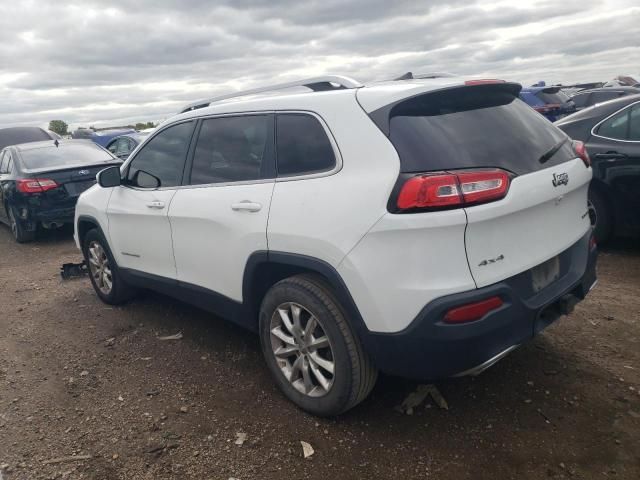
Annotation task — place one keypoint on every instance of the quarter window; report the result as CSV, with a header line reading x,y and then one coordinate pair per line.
x,y
232,149
4,160
302,145
163,156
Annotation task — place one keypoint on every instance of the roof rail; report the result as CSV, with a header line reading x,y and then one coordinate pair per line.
x,y
317,84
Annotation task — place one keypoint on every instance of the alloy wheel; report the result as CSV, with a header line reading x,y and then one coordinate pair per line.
x,y
100,268
302,349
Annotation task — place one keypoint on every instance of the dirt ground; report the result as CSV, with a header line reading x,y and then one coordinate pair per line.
x,y
81,379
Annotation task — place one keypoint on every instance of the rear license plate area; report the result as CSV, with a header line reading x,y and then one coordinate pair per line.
x,y
545,274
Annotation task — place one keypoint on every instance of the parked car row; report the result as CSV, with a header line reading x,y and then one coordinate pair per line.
x,y
422,227
611,133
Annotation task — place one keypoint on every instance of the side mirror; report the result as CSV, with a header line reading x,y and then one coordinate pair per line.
x,y
109,177
144,179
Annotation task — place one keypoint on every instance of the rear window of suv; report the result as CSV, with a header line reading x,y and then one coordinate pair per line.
x,y
471,127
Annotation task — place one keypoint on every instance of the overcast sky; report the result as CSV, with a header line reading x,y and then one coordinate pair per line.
x,y
117,62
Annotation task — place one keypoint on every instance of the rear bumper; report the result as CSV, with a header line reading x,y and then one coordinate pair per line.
x,y
30,216
429,348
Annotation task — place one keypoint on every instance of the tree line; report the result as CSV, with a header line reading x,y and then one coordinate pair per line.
x,y
62,128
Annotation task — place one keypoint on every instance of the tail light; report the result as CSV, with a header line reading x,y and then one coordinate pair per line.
x,y
546,108
473,311
452,189
581,151
35,185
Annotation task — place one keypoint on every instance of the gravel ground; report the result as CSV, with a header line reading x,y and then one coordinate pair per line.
x,y
83,380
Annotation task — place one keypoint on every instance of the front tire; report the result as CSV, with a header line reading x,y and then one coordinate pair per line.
x,y
310,349
103,270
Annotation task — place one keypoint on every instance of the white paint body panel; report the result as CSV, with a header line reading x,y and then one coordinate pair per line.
x,y
93,203
140,236
403,263
325,217
533,223
211,241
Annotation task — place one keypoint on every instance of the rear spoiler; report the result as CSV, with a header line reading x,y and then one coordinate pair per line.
x,y
382,116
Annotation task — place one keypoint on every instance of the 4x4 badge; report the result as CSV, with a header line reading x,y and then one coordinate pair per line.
x,y
491,260
560,179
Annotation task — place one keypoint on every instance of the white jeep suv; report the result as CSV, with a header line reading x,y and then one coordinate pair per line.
x,y
423,228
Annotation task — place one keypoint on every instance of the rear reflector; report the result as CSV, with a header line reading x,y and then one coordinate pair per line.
x,y
449,189
593,244
473,311
581,151
35,185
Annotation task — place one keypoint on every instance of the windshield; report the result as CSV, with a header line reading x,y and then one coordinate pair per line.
x,y
84,153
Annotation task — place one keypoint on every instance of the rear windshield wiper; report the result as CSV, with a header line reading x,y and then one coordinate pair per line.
x,y
553,150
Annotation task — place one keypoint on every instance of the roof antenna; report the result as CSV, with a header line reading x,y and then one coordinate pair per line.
x,y
56,143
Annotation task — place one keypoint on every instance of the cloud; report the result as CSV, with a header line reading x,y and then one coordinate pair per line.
x,y
91,63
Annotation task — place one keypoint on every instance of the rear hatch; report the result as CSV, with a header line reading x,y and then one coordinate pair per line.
x,y
487,128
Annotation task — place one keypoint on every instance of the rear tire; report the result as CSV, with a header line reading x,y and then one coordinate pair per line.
x,y
19,233
601,216
103,270
328,344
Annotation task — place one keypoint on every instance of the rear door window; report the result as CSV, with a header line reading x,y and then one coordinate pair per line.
x,y
634,124
552,95
302,145
233,149
163,156
615,127
470,127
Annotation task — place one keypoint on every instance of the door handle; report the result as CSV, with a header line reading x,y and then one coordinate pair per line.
x,y
246,206
611,156
156,204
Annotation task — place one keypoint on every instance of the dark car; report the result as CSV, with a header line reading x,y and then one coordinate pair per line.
x,y
611,133
40,182
15,135
123,145
551,102
588,98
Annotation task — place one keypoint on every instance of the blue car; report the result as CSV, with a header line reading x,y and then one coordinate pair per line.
x,y
551,102
101,137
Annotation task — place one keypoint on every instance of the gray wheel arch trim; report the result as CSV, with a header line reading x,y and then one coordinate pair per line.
x,y
261,259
